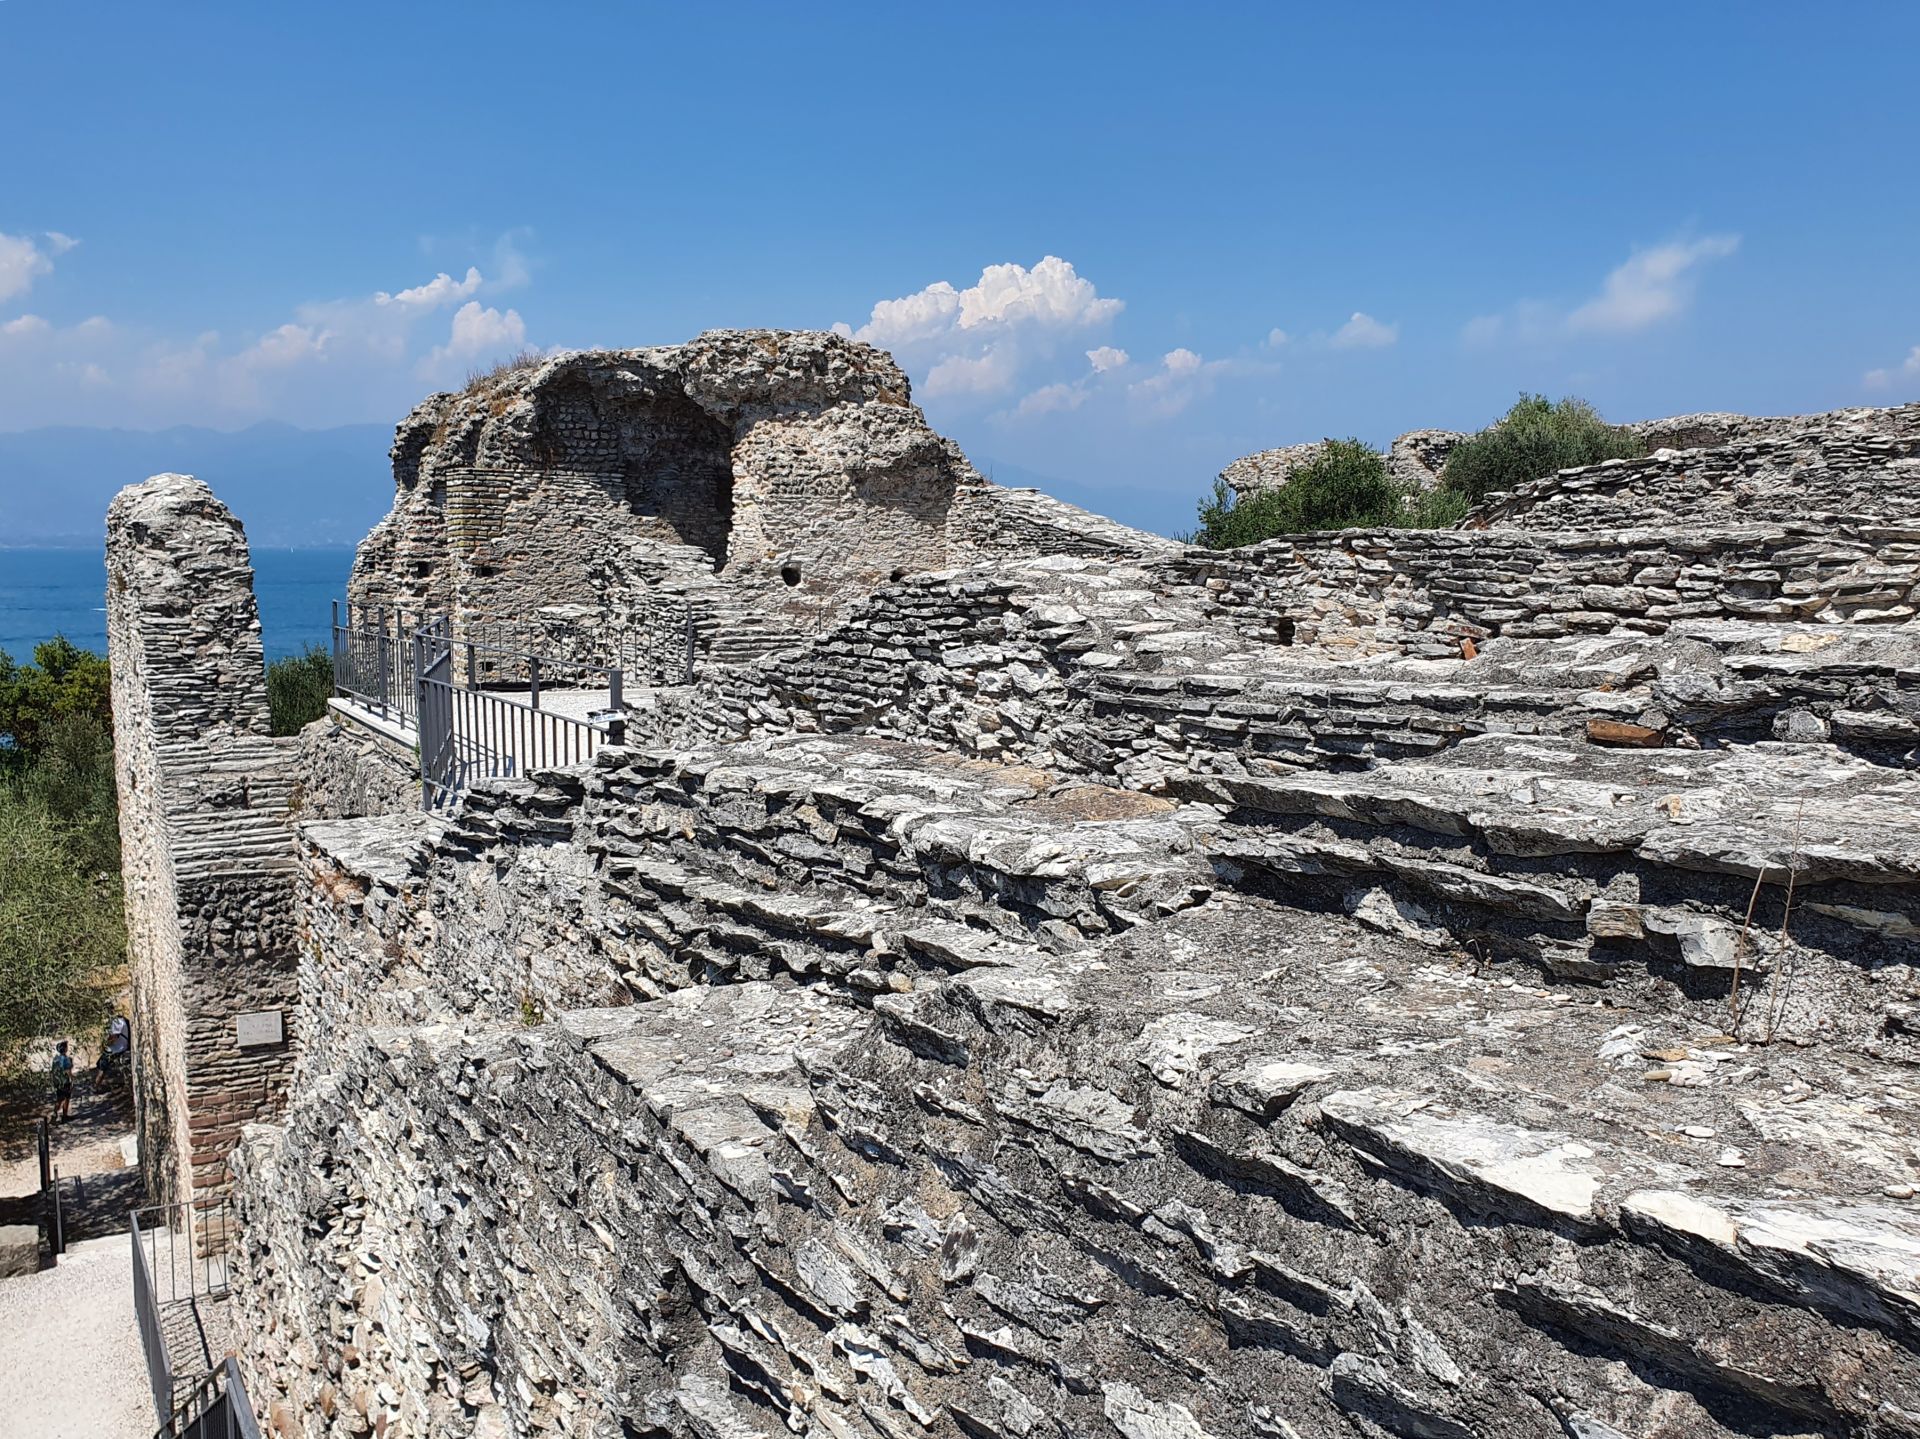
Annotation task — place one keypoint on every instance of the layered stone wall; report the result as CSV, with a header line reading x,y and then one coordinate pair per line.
x,y
1856,465
1422,592
977,1102
204,795
1389,983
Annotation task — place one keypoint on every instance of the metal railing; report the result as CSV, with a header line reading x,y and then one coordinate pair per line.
x,y
52,1197
468,733
373,659
215,1408
179,1301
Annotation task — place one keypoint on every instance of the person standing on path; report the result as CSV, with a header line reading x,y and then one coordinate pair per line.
x,y
62,1071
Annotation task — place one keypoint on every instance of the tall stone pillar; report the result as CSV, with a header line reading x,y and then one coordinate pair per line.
x,y
208,857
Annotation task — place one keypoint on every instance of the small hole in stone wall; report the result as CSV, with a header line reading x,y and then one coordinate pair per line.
x,y
898,575
790,573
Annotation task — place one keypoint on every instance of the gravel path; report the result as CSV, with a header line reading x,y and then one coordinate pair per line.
x,y
70,1362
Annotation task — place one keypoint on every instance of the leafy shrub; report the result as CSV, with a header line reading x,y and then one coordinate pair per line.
x,y
1535,438
63,682
298,688
1344,487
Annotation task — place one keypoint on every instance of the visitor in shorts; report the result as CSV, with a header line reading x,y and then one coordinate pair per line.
x,y
62,1072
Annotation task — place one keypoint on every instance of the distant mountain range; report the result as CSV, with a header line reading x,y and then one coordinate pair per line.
x,y
290,487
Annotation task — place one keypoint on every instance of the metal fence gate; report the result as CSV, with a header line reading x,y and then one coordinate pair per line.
x,y
433,678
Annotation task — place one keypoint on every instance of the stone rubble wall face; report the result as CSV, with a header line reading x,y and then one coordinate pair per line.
x,y
347,772
1782,479
864,1234
204,794
1420,592
988,1085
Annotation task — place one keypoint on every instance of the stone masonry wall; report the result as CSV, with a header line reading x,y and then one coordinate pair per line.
x,y
204,795
1421,592
764,479
978,1103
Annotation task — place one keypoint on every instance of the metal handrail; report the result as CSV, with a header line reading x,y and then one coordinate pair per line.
x,y
208,1230
153,1340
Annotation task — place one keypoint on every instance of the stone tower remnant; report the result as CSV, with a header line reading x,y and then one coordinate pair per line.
x,y
207,856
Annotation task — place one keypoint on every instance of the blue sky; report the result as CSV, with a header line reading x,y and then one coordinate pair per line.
x,y
1289,220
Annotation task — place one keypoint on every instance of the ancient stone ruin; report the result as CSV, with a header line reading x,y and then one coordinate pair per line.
x,y
1048,981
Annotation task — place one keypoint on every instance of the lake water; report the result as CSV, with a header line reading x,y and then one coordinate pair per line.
x,y
44,593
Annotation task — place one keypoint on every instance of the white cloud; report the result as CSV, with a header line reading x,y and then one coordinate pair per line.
x,y
1276,337
979,340
984,374
1363,332
1050,295
1652,285
325,362
1907,369
1106,358
21,263
442,289
479,332
1051,399
1183,376
285,347
60,243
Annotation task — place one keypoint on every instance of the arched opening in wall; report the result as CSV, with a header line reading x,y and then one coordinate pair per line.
x,y
678,466
790,574
665,460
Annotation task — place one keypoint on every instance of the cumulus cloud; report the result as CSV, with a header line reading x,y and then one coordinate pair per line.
x,y
442,289
1106,358
1052,399
1276,337
1363,332
1650,286
287,346
1907,370
22,261
479,332
1182,377
980,340
1052,295
327,361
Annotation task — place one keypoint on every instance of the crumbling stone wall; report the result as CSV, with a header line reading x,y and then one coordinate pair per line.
x,y
1858,465
762,479
204,795
1421,592
1033,1109
1424,984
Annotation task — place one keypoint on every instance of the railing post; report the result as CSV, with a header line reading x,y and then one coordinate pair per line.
x,y
384,661
336,646
533,679
473,670
615,699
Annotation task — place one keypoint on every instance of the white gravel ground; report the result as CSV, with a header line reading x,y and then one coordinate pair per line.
x,y
70,1363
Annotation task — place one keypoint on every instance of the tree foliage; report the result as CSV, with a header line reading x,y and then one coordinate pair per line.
x,y
298,687
1345,486
62,936
63,682
1535,438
